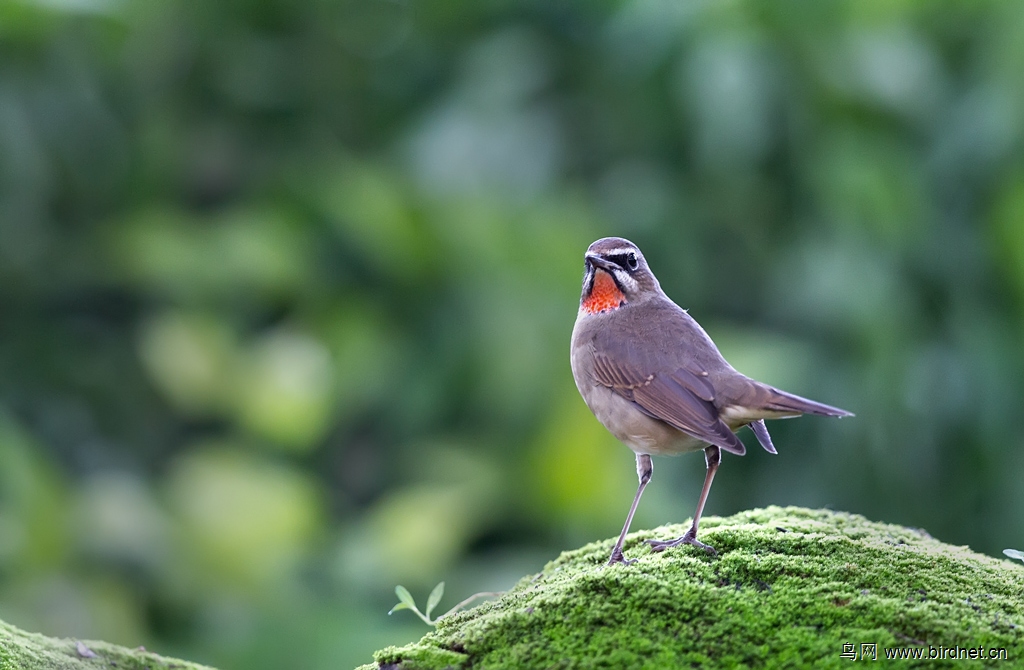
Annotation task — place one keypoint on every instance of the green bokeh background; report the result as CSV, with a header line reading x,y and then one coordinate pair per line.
x,y
286,290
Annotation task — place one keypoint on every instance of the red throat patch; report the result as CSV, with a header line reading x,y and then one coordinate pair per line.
x,y
604,294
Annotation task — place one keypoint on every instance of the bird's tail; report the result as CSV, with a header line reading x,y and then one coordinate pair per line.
x,y
791,404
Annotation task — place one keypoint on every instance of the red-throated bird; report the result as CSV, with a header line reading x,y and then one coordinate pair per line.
x,y
655,379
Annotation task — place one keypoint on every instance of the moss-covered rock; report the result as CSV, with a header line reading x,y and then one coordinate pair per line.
x,y
789,588
28,651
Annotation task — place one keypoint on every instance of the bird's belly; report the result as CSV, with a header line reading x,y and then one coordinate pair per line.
x,y
639,432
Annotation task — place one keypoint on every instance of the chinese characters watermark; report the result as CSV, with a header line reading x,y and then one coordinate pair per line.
x,y
868,651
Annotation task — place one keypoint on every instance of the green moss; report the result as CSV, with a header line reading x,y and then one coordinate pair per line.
x,y
28,651
790,586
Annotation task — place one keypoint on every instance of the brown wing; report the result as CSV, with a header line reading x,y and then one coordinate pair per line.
x,y
682,399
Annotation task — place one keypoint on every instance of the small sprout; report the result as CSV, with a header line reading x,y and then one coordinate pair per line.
x,y
405,602
1014,553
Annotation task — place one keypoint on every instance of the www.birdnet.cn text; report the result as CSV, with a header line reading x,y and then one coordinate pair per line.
x,y
870,651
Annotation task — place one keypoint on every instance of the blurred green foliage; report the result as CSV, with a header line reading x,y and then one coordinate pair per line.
x,y
286,290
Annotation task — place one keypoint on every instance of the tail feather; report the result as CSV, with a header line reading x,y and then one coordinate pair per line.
x,y
780,401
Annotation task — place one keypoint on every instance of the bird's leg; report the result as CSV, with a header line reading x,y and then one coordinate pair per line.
x,y
713,456
644,470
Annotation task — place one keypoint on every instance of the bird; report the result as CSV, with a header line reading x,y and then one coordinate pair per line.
x,y
655,379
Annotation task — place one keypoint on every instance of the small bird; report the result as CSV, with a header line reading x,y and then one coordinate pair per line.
x,y
656,381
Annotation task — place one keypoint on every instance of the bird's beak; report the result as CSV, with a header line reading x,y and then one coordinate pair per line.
x,y
599,262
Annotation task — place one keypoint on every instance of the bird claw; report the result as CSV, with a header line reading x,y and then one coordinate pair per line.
x,y
617,557
689,538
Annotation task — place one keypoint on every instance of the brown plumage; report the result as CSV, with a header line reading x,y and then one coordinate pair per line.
x,y
654,378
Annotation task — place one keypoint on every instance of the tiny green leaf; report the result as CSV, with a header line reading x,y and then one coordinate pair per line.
x,y
435,598
1014,553
406,597
399,606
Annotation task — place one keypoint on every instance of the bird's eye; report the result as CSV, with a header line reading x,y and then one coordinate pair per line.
x,y
627,261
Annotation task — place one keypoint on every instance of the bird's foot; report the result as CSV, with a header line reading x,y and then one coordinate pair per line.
x,y
617,557
689,538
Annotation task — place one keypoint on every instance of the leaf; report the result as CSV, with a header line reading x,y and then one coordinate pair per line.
x,y
399,606
1014,553
404,596
435,597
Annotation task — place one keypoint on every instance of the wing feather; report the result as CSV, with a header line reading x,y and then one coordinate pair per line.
x,y
682,399
761,432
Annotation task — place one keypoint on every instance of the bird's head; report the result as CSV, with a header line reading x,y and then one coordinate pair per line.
x,y
615,274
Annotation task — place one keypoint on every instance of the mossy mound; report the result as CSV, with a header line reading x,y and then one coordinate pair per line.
x,y
789,588
28,651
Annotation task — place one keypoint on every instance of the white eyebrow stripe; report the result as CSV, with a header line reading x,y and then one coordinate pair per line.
x,y
618,252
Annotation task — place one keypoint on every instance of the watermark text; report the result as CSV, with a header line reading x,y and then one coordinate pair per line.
x,y
870,651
